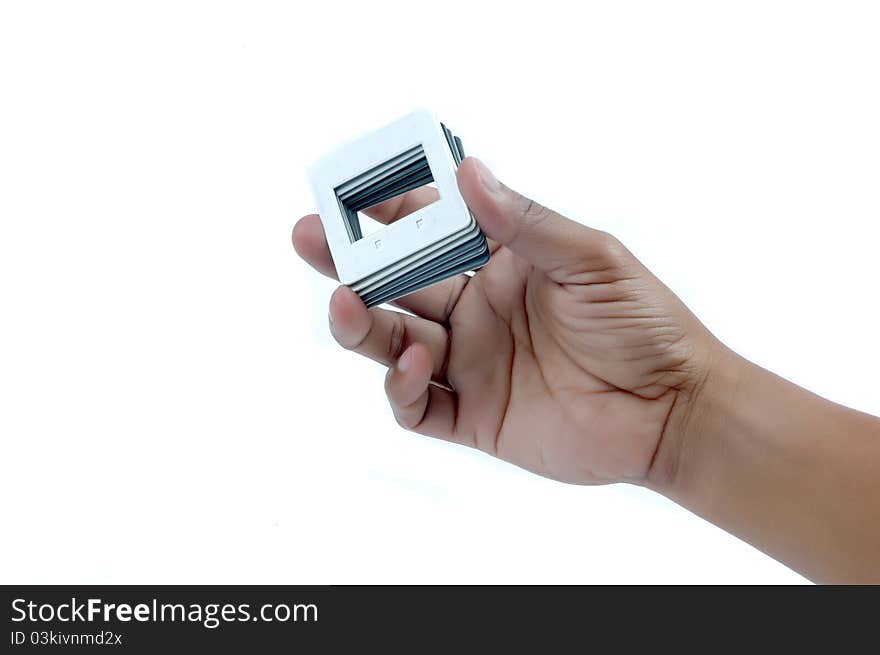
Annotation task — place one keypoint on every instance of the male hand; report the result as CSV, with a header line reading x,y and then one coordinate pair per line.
x,y
563,355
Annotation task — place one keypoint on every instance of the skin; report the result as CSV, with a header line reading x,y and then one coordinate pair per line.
x,y
564,355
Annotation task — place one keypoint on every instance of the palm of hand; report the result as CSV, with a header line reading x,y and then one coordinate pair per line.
x,y
573,380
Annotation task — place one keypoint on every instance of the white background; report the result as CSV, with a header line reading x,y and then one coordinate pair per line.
x,y
172,408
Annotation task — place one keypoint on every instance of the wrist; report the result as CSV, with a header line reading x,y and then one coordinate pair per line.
x,y
688,440
785,470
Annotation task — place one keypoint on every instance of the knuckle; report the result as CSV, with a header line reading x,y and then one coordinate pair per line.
x,y
342,342
402,422
532,213
611,247
400,416
351,344
454,296
389,389
397,337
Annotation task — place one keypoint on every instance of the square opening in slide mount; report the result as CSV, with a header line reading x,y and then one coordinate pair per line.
x,y
405,172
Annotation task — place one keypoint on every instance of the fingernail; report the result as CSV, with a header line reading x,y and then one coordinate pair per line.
x,y
405,360
490,182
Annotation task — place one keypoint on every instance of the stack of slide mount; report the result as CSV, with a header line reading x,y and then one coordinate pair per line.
x,y
426,246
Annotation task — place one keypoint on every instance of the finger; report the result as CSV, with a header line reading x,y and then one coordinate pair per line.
x,y
417,404
434,303
383,335
403,205
550,242
310,243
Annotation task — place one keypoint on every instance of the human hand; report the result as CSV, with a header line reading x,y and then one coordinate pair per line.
x,y
563,355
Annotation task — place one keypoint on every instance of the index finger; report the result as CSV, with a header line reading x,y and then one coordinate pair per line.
x,y
403,205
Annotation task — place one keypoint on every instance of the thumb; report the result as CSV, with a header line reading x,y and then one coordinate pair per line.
x,y
552,243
